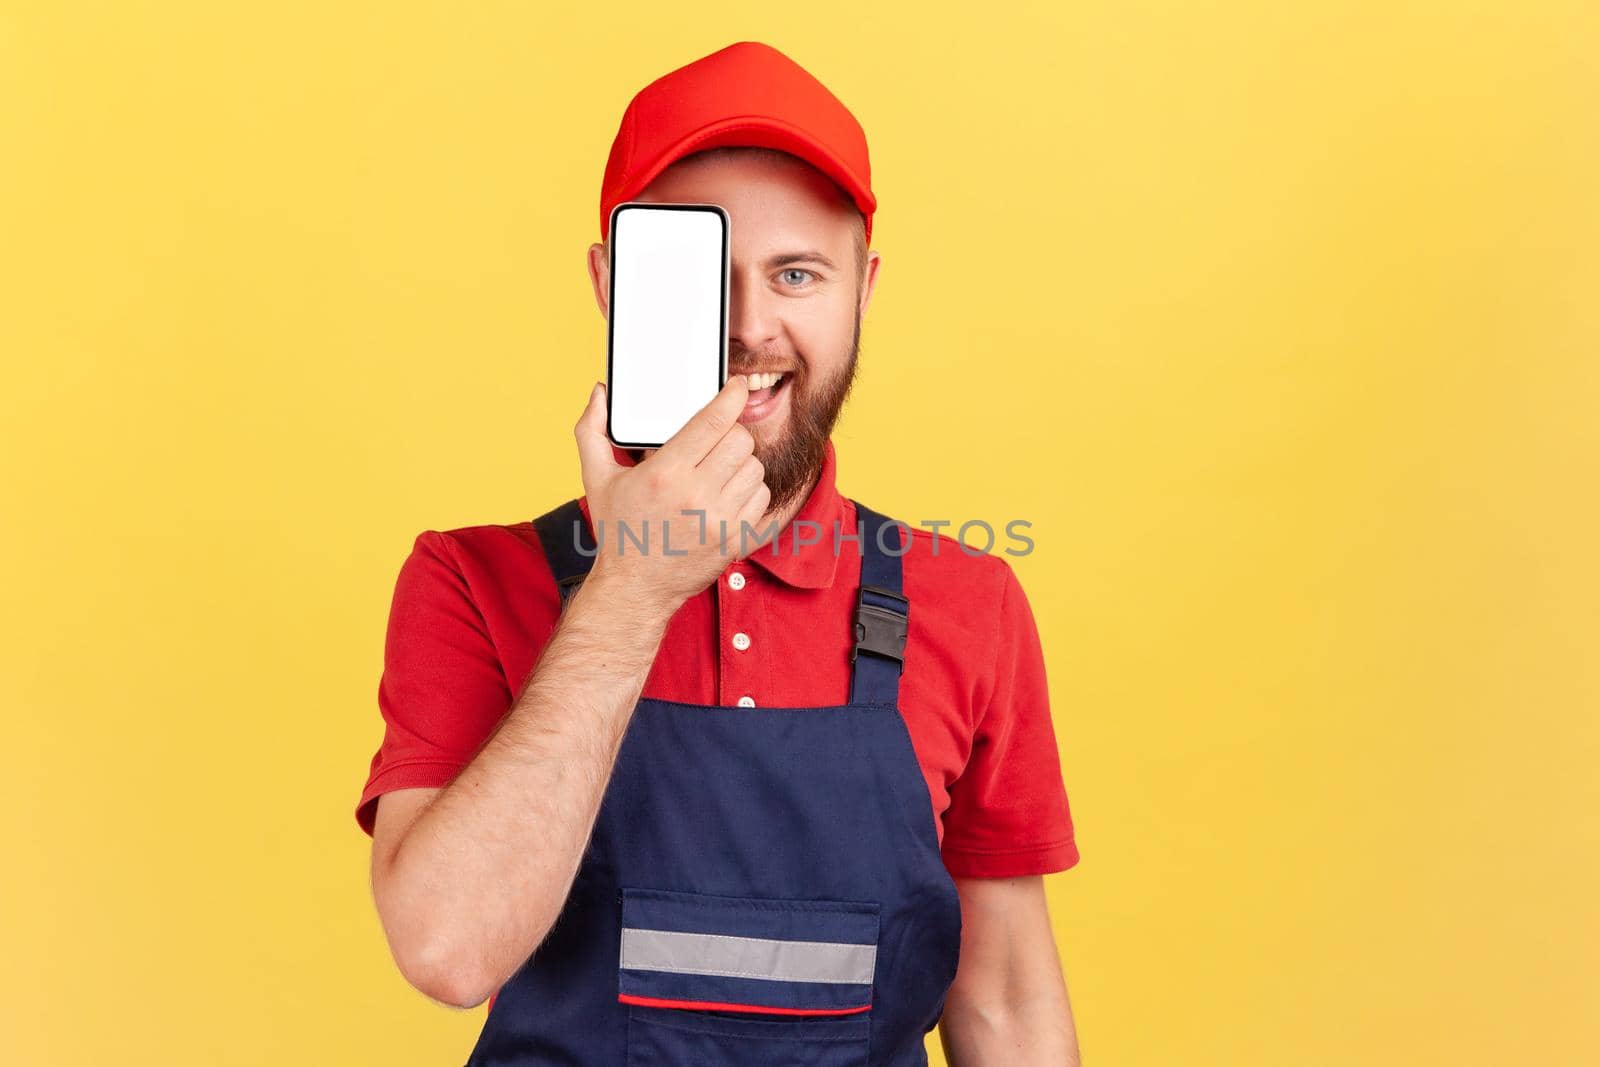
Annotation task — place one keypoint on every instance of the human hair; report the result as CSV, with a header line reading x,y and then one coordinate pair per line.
x,y
775,154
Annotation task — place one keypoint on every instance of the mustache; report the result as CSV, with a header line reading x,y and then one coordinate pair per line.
x,y
745,364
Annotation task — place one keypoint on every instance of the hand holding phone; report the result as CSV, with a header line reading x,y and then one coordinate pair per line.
x,y
704,480
667,318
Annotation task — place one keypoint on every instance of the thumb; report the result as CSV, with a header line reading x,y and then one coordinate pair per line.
x,y
599,463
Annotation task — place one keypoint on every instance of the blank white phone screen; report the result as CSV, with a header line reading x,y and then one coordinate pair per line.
x,y
668,320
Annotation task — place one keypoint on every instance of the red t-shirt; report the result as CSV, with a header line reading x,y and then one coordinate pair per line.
x,y
474,606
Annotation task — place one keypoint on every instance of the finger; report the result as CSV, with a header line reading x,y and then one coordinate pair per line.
x,y
742,482
599,463
723,460
754,512
689,445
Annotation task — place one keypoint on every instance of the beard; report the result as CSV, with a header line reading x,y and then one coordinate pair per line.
x,y
793,460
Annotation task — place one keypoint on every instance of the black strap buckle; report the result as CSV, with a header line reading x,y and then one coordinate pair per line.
x,y
880,630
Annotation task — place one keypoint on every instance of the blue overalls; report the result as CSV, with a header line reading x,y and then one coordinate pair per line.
x,y
763,885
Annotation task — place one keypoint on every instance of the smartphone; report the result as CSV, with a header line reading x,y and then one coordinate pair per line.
x,y
667,334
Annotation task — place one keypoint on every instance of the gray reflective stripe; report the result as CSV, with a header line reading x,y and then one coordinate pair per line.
x,y
747,957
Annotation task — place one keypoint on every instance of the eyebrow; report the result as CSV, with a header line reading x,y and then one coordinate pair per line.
x,y
788,258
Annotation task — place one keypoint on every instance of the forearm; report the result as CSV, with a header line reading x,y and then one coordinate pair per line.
x,y
1008,1002
1033,1031
483,873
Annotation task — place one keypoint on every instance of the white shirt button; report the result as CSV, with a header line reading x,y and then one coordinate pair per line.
x,y
747,702
735,580
741,641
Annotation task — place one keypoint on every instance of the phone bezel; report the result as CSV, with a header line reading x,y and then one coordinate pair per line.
x,y
611,278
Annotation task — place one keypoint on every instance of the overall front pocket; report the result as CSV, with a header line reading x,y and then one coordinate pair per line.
x,y
718,980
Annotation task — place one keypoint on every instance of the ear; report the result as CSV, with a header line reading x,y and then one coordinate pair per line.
x,y
600,277
870,282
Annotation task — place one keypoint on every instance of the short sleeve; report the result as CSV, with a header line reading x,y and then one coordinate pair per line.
x,y
443,689
1008,812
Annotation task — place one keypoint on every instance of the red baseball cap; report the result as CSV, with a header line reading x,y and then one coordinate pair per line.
x,y
748,93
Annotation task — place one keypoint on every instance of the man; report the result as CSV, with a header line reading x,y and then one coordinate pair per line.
x,y
759,800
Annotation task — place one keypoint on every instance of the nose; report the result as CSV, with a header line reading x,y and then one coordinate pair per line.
x,y
753,320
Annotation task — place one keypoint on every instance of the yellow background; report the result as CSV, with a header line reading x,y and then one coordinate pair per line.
x,y
1278,321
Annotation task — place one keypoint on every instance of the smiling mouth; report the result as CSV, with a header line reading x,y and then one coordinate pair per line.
x,y
764,392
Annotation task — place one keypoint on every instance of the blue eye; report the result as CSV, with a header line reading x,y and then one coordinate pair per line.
x,y
797,270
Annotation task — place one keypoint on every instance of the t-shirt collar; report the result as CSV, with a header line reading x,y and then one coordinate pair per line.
x,y
818,522
820,519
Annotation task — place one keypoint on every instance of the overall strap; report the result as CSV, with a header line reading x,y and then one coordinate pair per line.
x,y
882,612
562,530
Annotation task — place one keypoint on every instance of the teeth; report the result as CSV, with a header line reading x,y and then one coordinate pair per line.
x,y
761,381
